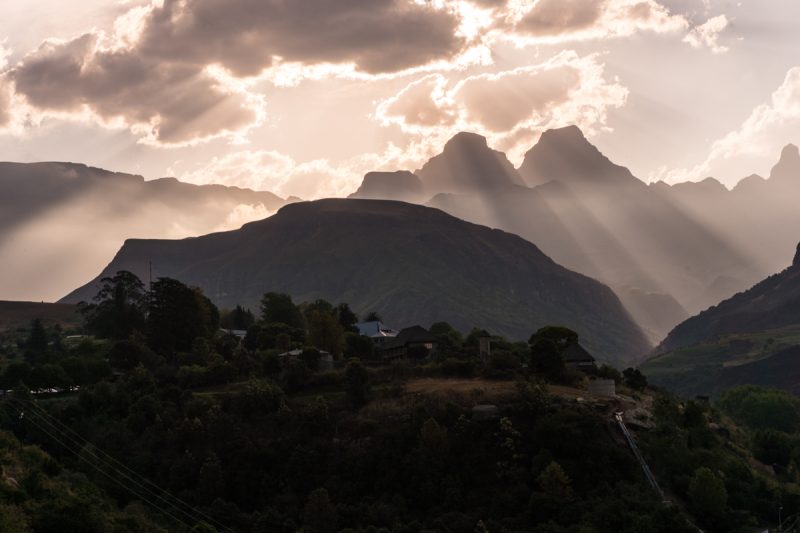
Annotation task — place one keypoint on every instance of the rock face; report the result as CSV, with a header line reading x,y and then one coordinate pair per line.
x,y
412,264
400,185
796,262
467,164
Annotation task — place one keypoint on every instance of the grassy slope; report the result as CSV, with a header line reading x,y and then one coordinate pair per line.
x,y
710,367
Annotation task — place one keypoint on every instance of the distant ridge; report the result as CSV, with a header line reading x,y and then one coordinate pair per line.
x,y
412,264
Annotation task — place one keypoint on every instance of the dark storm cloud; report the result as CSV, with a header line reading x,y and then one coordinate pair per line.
x,y
160,84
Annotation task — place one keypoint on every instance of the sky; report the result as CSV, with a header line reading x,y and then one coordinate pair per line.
x,y
302,97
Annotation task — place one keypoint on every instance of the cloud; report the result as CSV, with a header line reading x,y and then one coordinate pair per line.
x,y
755,143
181,71
246,36
242,214
6,90
422,103
168,103
499,102
554,17
512,107
269,170
707,34
564,20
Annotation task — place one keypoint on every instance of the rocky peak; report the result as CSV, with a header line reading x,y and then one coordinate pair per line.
x,y
565,154
467,164
788,167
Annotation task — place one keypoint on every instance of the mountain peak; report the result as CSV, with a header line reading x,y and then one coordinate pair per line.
x,y
796,262
788,167
790,152
399,185
467,164
466,139
565,154
571,134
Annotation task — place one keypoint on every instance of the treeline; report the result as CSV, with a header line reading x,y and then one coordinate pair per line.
x,y
698,457
256,440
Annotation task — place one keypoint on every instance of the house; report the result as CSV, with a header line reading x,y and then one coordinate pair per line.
x,y
377,331
576,357
415,342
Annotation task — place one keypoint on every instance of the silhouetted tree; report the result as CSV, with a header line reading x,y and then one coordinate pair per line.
x,y
36,343
347,318
278,308
546,358
324,331
373,316
634,378
178,314
560,336
119,307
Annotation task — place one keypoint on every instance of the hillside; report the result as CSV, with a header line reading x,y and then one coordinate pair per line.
x,y
773,303
77,217
752,338
19,314
411,264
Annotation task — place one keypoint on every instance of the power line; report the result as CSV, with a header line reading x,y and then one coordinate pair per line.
x,y
100,470
65,428
137,479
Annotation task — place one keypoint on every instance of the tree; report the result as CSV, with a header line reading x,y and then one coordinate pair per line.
x,y
561,336
278,308
324,331
119,307
36,343
449,338
319,514
555,482
178,315
707,494
357,383
347,318
634,379
359,346
373,316
210,481
239,318
546,358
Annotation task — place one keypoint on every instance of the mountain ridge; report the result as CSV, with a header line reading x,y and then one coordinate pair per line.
x,y
412,264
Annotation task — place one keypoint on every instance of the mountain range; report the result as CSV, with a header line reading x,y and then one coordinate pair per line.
x,y
411,264
667,251
72,215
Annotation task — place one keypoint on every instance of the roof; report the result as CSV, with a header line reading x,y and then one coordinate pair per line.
x,y
575,353
414,334
375,329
